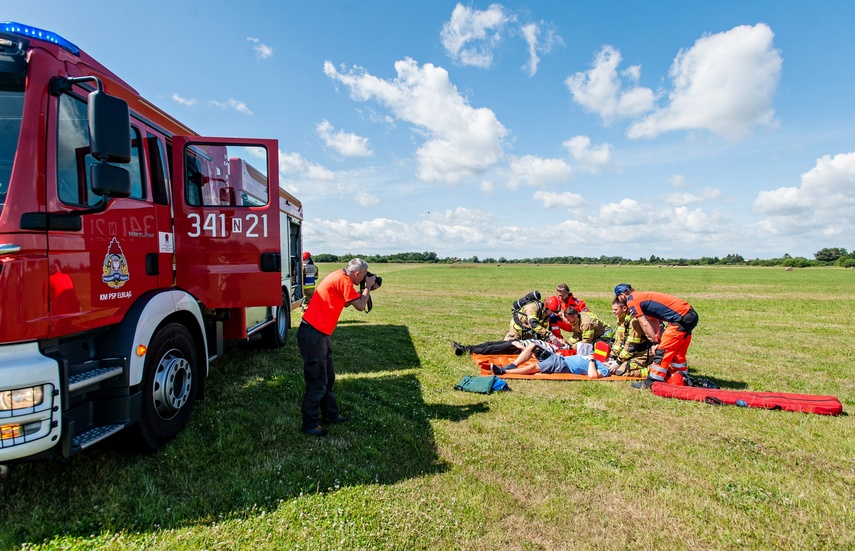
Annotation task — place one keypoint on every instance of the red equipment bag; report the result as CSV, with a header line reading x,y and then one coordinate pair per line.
x,y
806,403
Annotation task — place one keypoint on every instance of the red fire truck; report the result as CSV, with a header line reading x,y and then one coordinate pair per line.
x,y
131,249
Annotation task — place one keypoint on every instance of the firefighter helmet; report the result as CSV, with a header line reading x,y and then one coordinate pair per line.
x,y
602,351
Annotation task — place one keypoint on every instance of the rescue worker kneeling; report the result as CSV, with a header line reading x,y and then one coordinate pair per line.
x,y
532,321
632,351
585,328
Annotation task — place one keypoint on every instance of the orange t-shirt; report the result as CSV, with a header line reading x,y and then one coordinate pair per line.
x,y
329,300
657,305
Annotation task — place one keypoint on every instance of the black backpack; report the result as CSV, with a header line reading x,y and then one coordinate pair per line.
x,y
519,303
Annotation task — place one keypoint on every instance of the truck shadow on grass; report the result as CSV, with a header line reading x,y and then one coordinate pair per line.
x,y
242,452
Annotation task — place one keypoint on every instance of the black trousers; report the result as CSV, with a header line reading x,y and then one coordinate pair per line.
x,y
494,347
319,374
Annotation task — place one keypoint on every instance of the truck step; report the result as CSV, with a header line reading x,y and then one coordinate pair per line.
x,y
82,380
94,435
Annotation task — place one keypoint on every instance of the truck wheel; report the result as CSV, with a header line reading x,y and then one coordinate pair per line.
x,y
275,335
169,385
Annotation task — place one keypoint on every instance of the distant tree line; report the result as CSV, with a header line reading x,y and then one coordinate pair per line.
x,y
835,256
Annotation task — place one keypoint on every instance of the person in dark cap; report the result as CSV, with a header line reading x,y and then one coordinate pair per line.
x,y
673,343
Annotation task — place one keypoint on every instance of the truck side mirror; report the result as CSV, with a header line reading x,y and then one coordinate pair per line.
x,y
109,128
109,142
109,180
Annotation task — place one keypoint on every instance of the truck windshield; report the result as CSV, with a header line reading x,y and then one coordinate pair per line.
x,y
11,108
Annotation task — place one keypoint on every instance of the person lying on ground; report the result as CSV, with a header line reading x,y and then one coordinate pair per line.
x,y
505,348
556,363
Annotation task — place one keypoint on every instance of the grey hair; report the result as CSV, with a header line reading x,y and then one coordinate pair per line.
x,y
355,265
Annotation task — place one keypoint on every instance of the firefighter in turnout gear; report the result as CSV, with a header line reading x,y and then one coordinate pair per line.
x,y
531,321
632,351
586,327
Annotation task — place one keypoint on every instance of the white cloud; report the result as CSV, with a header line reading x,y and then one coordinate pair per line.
x,y
471,35
682,199
461,140
232,103
822,206
448,232
566,200
599,89
537,171
184,101
588,158
628,228
634,229
686,222
782,201
724,84
263,50
344,143
633,73
531,32
678,181
628,212
295,170
487,187
365,199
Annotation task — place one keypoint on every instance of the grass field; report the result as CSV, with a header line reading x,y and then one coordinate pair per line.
x,y
549,465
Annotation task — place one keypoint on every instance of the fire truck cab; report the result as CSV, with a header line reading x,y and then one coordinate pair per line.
x,y
131,249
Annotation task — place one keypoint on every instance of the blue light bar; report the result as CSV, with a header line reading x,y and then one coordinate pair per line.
x,y
41,34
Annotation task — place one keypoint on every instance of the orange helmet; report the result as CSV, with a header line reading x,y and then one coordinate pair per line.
x,y
553,303
676,378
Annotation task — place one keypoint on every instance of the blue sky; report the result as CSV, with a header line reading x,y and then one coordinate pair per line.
x,y
515,129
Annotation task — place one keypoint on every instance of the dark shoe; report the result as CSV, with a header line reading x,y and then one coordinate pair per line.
x,y
643,385
497,369
336,420
317,431
459,350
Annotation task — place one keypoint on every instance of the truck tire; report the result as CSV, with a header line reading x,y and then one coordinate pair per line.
x,y
276,334
169,385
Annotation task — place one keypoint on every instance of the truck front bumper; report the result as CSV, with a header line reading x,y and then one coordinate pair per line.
x,y
30,405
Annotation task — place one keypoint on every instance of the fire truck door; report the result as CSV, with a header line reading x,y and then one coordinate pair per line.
x,y
226,194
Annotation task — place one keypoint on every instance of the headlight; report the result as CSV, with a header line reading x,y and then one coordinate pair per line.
x,y
21,398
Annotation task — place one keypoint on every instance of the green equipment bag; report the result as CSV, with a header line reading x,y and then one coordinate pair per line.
x,y
482,384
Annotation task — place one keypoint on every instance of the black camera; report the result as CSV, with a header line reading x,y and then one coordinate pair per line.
x,y
378,281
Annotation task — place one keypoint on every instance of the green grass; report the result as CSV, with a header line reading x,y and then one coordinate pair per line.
x,y
549,465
